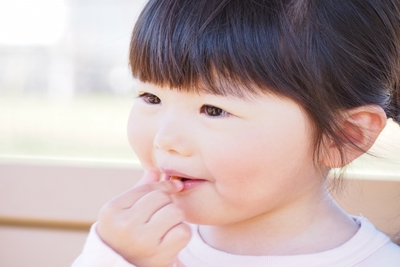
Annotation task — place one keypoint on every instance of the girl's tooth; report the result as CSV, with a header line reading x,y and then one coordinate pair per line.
x,y
175,178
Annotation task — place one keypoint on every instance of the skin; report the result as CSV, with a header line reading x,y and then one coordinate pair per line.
x,y
143,225
261,193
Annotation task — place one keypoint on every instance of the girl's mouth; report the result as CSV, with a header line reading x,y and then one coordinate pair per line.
x,y
188,183
182,179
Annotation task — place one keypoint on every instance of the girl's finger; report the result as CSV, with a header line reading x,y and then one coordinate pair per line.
x,y
128,198
150,176
166,218
176,238
146,206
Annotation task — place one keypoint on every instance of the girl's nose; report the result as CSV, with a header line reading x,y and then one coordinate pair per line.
x,y
173,138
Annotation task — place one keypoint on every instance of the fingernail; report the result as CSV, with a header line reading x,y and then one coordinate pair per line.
x,y
177,184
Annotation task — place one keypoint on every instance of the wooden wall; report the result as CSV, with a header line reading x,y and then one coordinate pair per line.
x,y
45,211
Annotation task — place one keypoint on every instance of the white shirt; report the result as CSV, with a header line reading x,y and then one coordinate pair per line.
x,y
367,248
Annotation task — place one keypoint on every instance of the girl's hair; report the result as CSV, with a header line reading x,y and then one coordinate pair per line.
x,y
327,55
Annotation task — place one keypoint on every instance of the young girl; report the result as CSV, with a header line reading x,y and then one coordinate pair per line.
x,y
243,108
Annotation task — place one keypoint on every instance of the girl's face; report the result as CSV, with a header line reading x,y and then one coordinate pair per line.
x,y
244,158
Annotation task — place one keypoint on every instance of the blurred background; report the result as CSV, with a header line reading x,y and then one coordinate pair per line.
x,y
65,85
65,96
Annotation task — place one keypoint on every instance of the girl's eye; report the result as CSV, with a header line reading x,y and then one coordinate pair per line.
x,y
150,98
213,111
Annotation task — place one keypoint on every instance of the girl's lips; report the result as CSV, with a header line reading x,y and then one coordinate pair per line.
x,y
191,183
174,175
187,181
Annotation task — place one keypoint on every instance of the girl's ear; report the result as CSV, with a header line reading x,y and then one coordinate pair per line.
x,y
360,127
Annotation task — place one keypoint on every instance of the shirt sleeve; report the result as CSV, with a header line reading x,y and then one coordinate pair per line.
x,y
97,254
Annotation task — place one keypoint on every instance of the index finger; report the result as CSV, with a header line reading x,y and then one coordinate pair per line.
x,y
150,176
129,197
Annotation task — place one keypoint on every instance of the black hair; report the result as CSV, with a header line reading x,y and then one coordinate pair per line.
x,y
327,55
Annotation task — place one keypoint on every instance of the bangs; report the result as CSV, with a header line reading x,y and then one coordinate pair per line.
x,y
325,55
220,47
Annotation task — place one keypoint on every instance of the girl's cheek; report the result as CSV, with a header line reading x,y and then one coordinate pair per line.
x,y
140,138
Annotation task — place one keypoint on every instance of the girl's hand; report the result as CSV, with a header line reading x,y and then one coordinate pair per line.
x,y
143,225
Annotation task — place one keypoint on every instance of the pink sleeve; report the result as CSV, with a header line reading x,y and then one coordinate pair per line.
x,y
97,254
